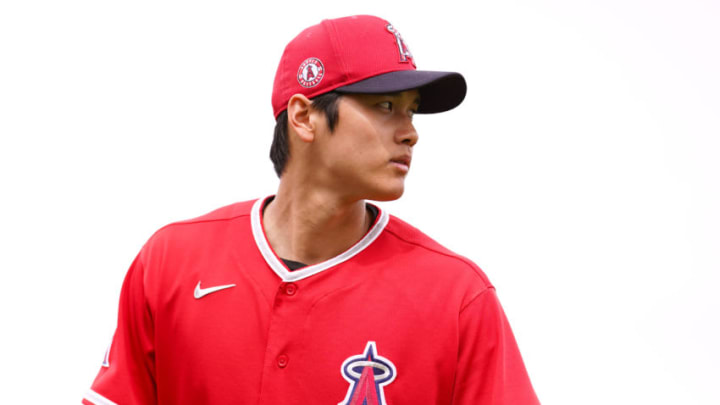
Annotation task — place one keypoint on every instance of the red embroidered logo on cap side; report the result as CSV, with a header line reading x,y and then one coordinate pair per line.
x,y
403,49
311,72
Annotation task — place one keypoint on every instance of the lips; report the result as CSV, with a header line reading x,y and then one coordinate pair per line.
x,y
403,160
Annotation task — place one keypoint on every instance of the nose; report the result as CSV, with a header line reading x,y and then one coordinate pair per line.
x,y
407,134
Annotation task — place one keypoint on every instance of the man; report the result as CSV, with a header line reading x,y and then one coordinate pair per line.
x,y
314,296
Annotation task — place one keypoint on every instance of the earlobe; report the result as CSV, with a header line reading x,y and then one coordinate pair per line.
x,y
299,113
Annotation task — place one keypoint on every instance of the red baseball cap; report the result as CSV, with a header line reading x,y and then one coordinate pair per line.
x,y
359,54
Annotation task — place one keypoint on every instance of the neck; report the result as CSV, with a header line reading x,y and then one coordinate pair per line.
x,y
311,226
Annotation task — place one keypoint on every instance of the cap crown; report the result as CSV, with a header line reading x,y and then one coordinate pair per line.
x,y
336,53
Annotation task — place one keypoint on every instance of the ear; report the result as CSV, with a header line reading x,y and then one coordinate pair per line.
x,y
300,118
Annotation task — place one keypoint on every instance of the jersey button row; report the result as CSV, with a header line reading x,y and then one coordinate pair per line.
x,y
282,360
289,289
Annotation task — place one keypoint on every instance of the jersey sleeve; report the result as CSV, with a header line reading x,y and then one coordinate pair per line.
x,y
127,375
490,368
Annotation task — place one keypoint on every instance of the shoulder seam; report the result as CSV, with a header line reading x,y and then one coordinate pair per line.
x,y
199,221
452,256
471,300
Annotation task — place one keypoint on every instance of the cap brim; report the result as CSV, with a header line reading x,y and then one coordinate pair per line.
x,y
439,91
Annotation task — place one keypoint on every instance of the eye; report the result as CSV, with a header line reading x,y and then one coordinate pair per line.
x,y
386,105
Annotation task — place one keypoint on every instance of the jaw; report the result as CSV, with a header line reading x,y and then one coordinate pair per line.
x,y
381,180
385,189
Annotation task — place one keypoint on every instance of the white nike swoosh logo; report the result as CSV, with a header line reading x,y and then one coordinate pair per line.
x,y
201,292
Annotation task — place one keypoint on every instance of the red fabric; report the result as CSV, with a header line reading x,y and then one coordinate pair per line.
x,y
431,313
492,368
130,377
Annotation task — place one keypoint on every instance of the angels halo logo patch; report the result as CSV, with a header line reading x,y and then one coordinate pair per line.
x,y
311,72
367,374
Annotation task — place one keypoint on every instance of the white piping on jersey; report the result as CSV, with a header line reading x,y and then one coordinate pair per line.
x,y
286,275
97,399
106,360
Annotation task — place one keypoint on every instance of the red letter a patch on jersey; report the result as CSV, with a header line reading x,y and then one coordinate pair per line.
x,y
367,374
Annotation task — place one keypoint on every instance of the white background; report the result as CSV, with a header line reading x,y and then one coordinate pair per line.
x,y
581,173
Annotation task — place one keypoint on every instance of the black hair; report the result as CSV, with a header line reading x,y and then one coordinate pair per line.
x,y
280,148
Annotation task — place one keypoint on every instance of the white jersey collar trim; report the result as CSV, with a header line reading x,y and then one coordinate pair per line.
x,y
97,399
279,267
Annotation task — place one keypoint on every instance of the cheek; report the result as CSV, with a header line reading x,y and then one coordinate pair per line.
x,y
353,159
361,143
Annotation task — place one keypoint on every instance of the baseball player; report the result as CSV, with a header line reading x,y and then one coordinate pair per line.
x,y
313,295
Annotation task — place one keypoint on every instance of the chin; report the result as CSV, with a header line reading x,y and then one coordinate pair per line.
x,y
388,194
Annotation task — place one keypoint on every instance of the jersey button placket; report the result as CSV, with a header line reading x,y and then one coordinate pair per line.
x,y
290,289
282,360
289,312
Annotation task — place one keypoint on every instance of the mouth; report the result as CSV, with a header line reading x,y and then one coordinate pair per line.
x,y
402,162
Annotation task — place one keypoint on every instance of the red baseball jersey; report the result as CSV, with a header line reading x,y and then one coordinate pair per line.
x,y
209,314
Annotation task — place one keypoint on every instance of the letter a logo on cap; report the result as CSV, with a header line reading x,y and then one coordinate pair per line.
x,y
405,54
311,72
